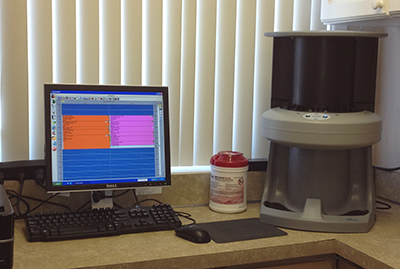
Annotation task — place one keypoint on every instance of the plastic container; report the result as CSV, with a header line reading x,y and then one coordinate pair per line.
x,y
228,183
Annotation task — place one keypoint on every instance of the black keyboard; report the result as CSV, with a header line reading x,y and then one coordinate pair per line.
x,y
55,226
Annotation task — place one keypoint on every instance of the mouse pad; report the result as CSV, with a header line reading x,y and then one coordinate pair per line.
x,y
239,230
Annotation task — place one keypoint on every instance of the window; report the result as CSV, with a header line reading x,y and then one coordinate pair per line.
x,y
212,54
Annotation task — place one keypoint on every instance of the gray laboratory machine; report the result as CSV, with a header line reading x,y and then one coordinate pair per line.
x,y
321,128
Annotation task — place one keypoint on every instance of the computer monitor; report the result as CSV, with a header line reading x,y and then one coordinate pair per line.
x,y
106,137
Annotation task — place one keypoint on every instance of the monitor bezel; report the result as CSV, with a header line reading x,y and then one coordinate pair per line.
x,y
106,88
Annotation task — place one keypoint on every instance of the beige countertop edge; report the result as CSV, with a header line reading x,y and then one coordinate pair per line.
x,y
238,257
375,249
358,257
259,255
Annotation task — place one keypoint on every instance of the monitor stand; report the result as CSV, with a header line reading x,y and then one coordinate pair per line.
x,y
102,203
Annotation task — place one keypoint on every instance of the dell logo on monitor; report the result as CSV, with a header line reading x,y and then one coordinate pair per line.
x,y
111,186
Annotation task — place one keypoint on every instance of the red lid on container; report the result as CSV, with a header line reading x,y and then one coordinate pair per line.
x,y
229,159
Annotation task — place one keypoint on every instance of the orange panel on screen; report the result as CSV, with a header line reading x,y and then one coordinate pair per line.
x,y
86,132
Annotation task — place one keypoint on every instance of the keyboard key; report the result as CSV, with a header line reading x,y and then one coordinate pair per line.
x,y
78,230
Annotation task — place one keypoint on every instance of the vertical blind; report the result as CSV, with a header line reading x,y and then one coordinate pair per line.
x,y
212,54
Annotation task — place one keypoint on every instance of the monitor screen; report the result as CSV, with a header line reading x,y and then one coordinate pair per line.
x,y
102,137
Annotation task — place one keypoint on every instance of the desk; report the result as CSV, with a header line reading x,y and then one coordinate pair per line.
x,y
377,249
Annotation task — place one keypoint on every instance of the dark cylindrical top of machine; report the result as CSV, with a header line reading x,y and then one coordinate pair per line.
x,y
322,67
324,72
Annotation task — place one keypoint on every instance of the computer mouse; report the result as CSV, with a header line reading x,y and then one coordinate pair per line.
x,y
193,233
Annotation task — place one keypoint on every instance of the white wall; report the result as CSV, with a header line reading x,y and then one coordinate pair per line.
x,y
387,151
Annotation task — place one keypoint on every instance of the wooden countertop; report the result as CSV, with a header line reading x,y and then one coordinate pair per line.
x,y
378,248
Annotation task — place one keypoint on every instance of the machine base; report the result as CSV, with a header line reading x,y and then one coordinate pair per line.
x,y
319,190
312,219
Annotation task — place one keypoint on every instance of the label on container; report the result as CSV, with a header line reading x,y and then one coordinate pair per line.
x,y
227,190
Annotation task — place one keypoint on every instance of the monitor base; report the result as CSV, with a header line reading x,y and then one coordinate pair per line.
x,y
103,202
